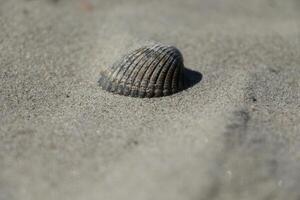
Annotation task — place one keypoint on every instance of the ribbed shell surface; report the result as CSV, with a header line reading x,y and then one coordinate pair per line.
x,y
150,71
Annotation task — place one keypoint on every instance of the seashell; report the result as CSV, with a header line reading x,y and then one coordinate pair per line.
x,y
151,71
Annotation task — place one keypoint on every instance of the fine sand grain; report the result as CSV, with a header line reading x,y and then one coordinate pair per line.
x,y
233,136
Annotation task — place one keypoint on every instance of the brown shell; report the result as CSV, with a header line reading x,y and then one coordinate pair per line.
x,y
150,71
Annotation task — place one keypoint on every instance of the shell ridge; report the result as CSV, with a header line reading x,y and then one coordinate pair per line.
x,y
115,67
135,62
144,83
169,63
166,85
111,85
174,78
131,77
168,80
124,59
149,71
158,87
141,74
156,62
152,59
123,68
123,87
161,75
155,74
127,65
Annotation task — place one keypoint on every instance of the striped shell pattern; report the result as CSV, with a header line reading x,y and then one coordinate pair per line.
x,y
150,71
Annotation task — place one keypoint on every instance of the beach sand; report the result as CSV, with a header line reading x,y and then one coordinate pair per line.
x,y
233,135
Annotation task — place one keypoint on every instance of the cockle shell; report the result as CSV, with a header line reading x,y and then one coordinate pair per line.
x,y
150,71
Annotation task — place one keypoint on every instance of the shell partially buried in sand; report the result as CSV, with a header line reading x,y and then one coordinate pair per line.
x,y
151,71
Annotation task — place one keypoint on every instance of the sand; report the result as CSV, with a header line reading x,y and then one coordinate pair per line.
x,y
233,135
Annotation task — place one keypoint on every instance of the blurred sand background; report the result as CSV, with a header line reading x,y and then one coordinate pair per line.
x,y
233,136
